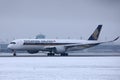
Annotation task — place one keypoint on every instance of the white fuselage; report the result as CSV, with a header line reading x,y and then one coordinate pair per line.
x,y
42,44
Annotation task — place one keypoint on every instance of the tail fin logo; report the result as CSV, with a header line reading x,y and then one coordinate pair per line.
x,y
95,34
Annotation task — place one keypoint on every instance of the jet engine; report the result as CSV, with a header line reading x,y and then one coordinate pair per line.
x,y
59,49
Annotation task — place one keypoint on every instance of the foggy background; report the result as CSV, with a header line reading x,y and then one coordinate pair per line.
x,y
59,18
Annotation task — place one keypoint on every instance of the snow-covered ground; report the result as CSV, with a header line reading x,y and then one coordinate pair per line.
x,y
59,68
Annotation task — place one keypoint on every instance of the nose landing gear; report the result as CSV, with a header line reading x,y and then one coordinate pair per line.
x,y
14,53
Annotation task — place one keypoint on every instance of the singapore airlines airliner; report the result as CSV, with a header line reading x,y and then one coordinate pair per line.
x,y
56,46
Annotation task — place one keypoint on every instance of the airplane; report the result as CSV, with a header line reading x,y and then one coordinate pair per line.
x,y
56,46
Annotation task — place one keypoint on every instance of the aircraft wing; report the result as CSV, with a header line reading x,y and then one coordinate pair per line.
x,y
83,46
78,46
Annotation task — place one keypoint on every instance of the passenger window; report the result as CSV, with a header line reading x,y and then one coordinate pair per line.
x,y
13,43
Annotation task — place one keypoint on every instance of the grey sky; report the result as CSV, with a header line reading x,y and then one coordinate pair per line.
x,y
59,18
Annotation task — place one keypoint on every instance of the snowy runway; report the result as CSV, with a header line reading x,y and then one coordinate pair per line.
x,y
59,68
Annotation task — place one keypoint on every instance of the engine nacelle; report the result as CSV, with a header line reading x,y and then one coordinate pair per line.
x,y
32,51
59,49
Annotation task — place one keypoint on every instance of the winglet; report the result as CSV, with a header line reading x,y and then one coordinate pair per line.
x,y
112,40
96,33
116,38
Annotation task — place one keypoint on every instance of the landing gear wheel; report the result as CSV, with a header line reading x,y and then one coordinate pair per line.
x,y
64,54
50,54
14,53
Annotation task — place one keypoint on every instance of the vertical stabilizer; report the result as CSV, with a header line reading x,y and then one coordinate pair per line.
x,y
96,33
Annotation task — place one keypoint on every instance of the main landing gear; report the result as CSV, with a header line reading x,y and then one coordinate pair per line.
x,y
62,54
50,54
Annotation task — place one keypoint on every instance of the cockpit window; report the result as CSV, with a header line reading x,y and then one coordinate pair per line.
x,y
13,43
